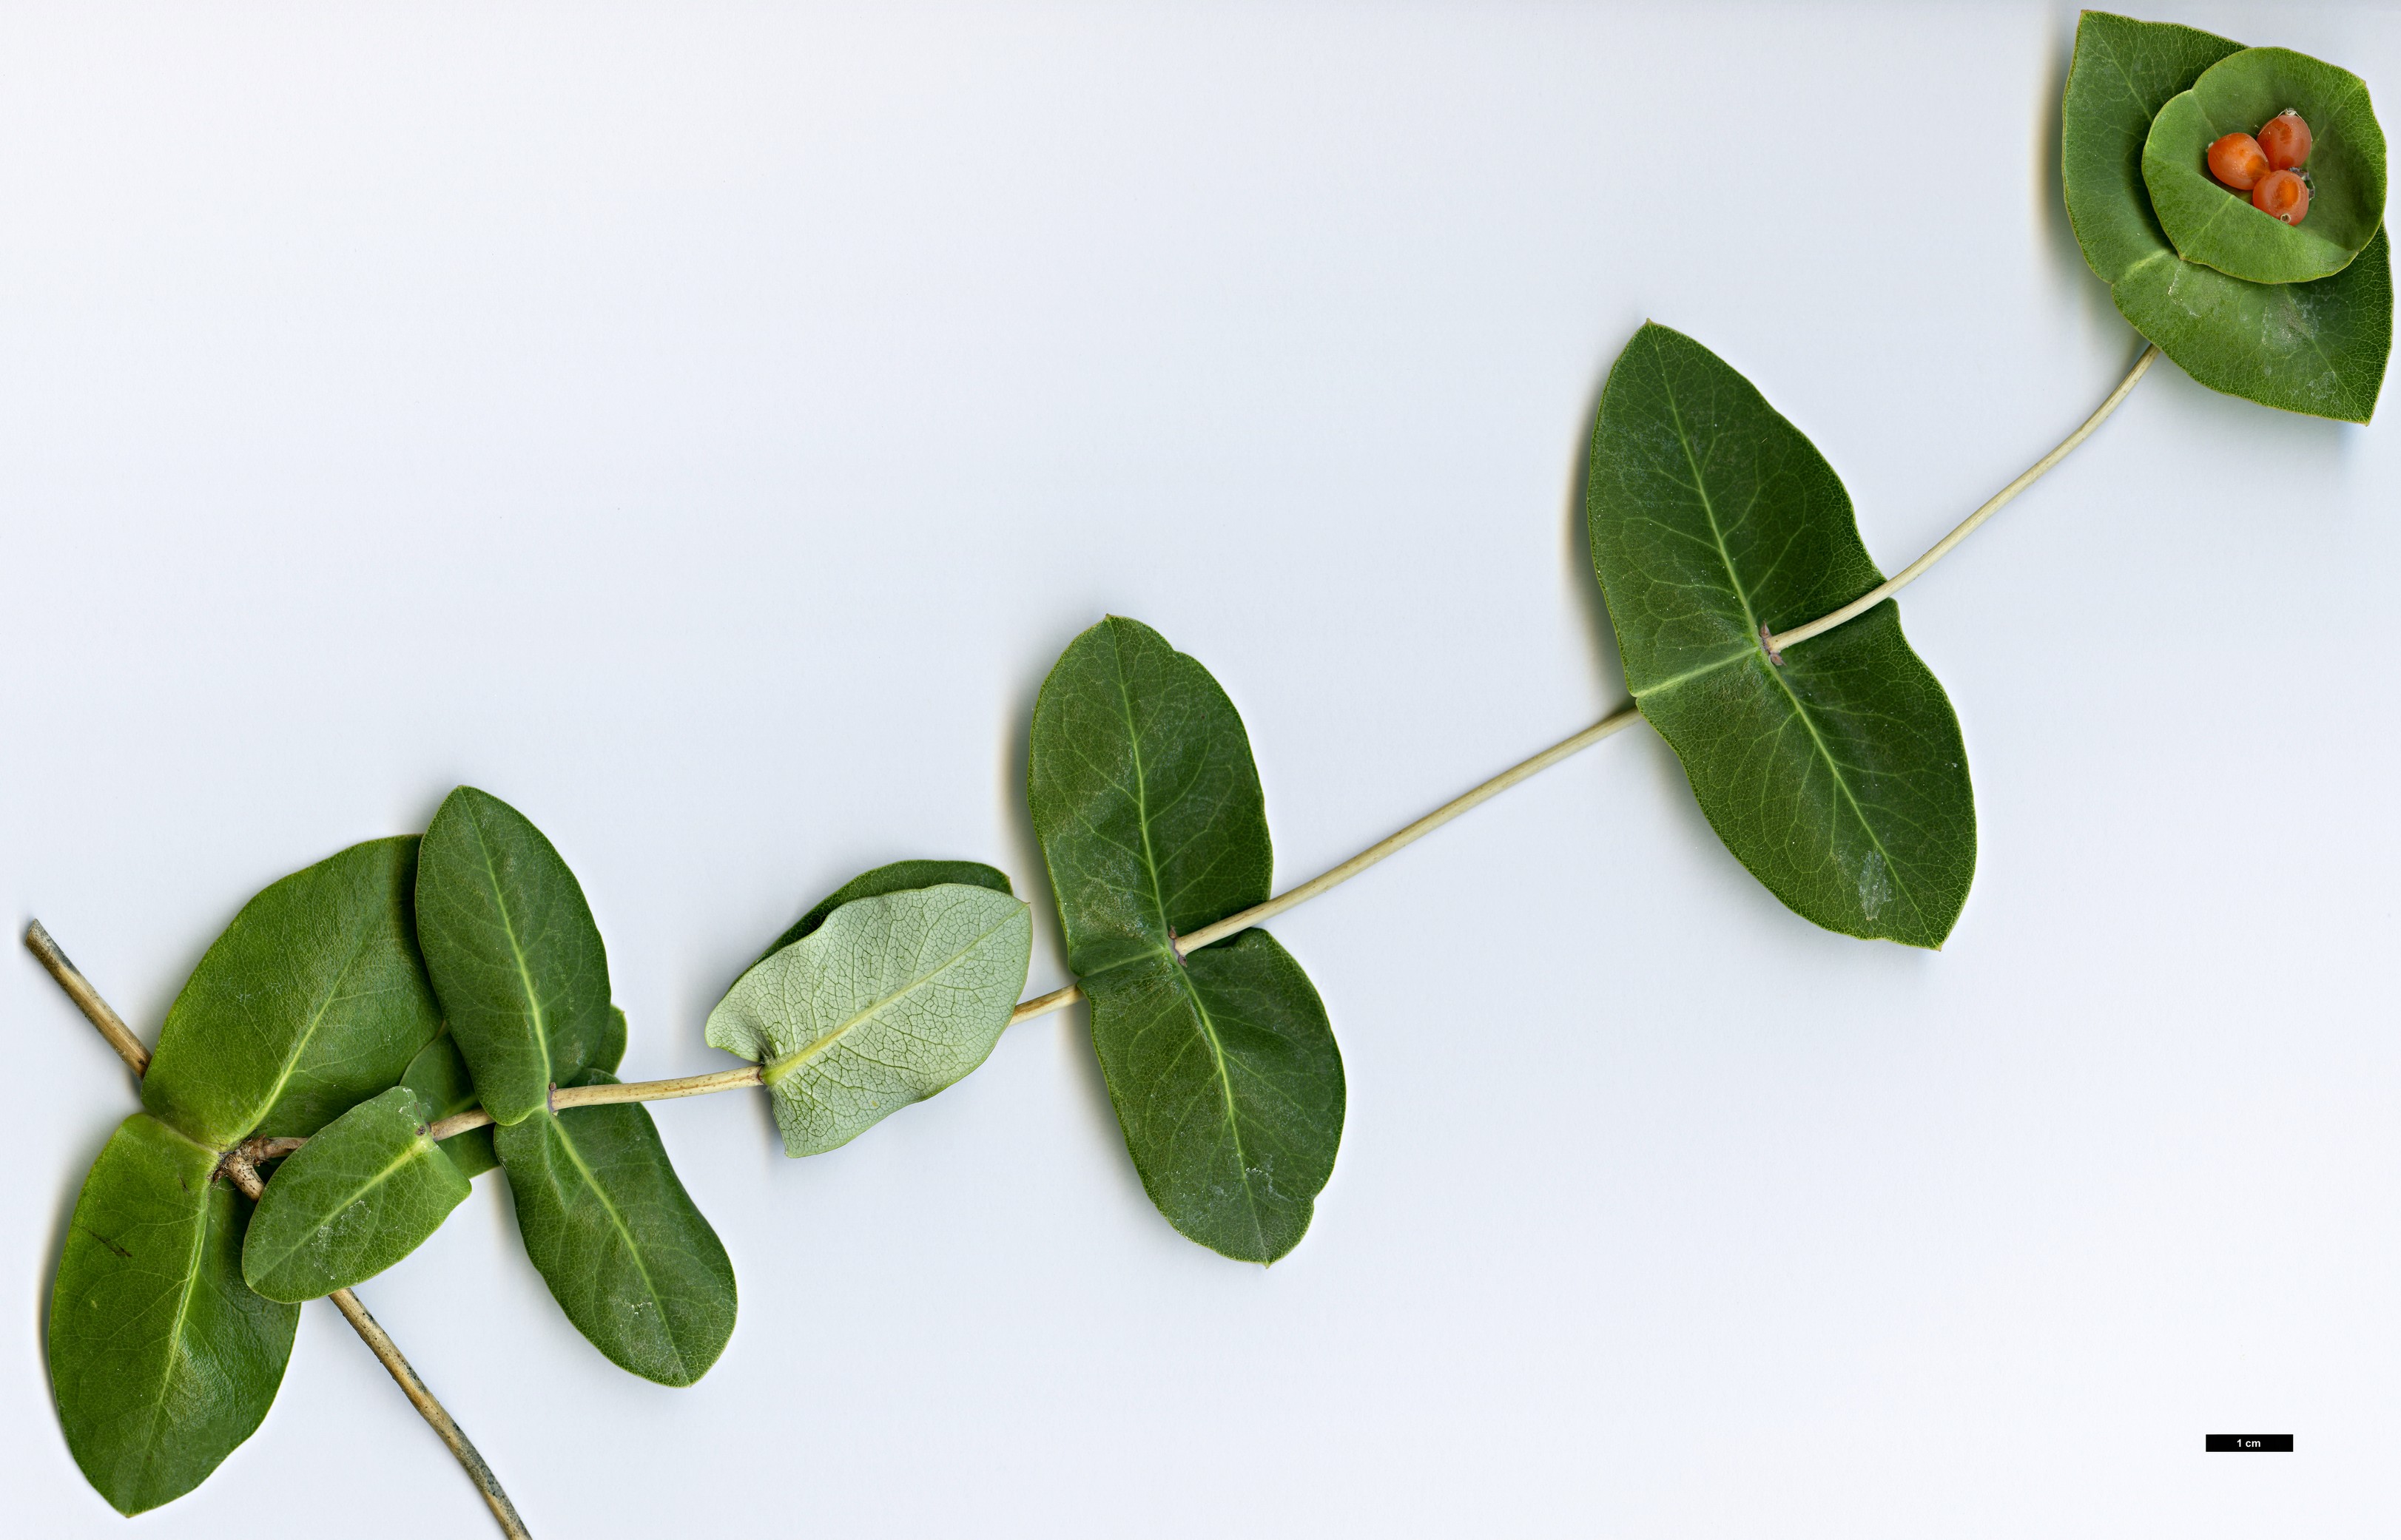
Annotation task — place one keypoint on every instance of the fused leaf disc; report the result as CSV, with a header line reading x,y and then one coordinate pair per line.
x,y
2318,348
1838,777
2216,225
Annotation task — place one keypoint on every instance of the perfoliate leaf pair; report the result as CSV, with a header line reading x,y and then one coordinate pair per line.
x,y
2317,347
161,1356
519,966
1221,1065
1836,774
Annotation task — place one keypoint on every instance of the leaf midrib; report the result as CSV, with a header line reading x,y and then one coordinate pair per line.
x,y
416,1148
617,1222
1217,1057
516,950
183,1311
783,1065
1750,620
309,1033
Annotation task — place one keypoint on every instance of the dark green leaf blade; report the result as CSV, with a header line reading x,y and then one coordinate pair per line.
x,y
624,1248
894,999
1144,796
2317,347
899,877
513,953
1228,1087
366,1192
2216,225
312,999
1152,824
1839,778
162,1360
439,1074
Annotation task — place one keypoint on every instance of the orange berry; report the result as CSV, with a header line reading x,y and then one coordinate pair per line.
x,y
2238,161
2285,140
2283,195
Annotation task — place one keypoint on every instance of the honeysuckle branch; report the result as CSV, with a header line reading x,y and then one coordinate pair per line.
x,y
750,1074
1778,643
562,1099
239,1167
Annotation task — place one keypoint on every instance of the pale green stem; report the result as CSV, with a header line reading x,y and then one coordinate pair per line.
x,y
1917,569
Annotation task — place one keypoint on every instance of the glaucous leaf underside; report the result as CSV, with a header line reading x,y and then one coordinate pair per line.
x,y
2318,348
891,1000
312,999
899,877
161,1358
1222,1067
366,1192
626,1253
2215,224
1838,778
514,955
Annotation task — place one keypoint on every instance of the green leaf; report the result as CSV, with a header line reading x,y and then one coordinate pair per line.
x,y
899,877
894,999
626,1252
1839,778
311,1000
439,1074
1222,1067
2316,348
361,1195
2124,71
1228,1085
514,955
161,1358
2212,223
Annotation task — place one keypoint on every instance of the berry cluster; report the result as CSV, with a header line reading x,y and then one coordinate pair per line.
x,y
2268,166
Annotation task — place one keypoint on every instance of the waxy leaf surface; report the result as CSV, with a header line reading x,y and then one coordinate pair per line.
x,y
2214,224
162,1359
361,1195
1222,1067
1839,778
513,952
311,1000
891,1000
899,877
625,1251
2318,348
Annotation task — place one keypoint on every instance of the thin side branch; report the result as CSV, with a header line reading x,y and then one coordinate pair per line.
x,y
238,1166
1058,1000
112,1026
1782,641
444,1426
602,1096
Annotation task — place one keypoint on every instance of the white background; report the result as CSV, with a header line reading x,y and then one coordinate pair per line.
x,y
703,425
